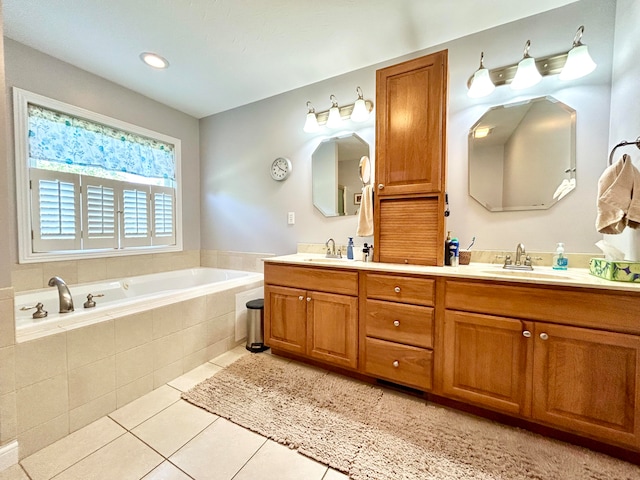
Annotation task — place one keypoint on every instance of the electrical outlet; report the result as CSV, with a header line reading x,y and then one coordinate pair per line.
x,y
291,218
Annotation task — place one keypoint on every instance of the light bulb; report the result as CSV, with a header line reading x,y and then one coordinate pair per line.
x,y
527,74
360,112
311,125
481,84
579,63
334,119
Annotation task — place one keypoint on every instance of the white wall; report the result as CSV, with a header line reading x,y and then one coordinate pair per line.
x,y
625,106
34,71
5,215
243,209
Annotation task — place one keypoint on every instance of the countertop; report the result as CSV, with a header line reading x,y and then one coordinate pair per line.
x,y
573,277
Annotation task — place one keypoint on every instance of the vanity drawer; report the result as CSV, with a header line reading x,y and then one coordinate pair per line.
x,y
399,363
320,279
409,324
420,291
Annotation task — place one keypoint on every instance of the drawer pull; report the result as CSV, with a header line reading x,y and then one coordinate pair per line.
x,y
301,297
526,333
396,364
544,336
396,323
397,289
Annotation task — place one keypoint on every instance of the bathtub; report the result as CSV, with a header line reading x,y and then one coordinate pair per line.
x,y
122,297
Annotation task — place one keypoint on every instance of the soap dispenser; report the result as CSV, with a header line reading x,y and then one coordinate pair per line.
x,y
560,262
350,249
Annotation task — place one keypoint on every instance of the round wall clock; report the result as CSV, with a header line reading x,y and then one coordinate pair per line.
x,y
280,168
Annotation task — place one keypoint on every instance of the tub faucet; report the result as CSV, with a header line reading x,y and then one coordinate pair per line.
x,y
64,295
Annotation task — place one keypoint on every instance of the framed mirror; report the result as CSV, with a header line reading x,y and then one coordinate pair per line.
x,y
335,175
522,156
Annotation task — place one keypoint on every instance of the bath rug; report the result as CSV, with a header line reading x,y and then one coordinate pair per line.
x,y
373,433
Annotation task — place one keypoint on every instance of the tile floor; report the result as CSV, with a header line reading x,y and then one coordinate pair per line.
x,y
162,437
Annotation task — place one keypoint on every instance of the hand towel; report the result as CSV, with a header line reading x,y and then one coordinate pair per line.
x,y
615,188
633,214
365,215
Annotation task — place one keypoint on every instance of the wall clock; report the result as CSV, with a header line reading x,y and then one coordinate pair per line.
x,y
280,168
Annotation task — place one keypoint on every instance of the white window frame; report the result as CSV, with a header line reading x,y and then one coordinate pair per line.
x,y
26,254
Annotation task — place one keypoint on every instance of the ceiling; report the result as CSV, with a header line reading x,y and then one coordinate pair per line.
x,y
228,53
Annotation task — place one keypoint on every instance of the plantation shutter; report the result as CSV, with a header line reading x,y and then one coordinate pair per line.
x,y
135,216
164,232
55,218
99,212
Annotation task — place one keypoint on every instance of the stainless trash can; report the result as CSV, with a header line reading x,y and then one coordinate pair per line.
x,y
255,326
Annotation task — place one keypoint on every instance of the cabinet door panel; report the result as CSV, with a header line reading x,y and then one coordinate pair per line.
x,y
411,115
485,360
285,318
333,329
587,381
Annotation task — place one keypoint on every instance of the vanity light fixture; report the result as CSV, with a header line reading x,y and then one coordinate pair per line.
x,y
334,119
570,65
481,84
579,62
482,132
311,125
358,112
527,74
154,60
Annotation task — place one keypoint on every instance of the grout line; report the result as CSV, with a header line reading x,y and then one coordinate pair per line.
x,y
249,459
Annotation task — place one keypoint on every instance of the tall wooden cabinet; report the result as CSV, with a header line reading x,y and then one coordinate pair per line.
x,y
411,161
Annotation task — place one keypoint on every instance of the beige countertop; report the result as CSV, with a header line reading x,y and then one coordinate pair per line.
x,y
573,277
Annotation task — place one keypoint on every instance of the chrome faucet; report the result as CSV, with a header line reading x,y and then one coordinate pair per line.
x,y
519,264
64,295
331,250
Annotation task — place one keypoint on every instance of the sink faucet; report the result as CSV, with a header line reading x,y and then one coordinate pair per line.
x,y
331,250
64,295
518,264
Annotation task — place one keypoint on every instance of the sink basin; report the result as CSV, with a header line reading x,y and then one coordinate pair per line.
x,y
327,260
527,274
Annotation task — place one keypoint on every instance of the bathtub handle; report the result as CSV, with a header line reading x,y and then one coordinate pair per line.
x,y
90,303
40,311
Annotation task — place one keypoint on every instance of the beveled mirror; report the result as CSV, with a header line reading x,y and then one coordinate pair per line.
x,y
335,172
522,156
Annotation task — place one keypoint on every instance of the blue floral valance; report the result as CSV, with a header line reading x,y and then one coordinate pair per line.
x,y
62,138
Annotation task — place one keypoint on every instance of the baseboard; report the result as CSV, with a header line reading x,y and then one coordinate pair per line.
x,y
8,455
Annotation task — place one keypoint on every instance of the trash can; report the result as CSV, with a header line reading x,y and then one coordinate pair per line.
x,y
255,325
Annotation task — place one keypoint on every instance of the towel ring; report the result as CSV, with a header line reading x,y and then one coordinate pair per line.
x,y
624,143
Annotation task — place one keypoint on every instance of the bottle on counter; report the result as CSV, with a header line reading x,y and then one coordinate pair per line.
x,y
350,249
560,262
447,253
454,251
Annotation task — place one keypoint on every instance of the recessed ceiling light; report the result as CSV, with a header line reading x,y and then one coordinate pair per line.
x,y
154,60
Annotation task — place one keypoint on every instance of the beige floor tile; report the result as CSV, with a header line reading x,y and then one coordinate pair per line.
x,y
227,358
61,455
195,376
218,452
167,471
136,412
14,472
334,475
126,458
278,462
173,427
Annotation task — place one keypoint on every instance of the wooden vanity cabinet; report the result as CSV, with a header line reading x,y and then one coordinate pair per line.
x,y
411,115
312,312
500,353
397,337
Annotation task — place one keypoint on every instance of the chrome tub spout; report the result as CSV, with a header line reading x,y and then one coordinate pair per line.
x,y
64,295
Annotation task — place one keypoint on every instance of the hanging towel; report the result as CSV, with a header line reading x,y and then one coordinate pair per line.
x,y
365,215
633,214
615,197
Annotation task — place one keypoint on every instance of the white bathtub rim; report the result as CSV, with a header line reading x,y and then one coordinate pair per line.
x,y
133,306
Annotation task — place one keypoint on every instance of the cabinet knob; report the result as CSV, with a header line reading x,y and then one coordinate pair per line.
x,y
380,186
544,336
396,364
526,333
300,298
396,323
397,289
308,299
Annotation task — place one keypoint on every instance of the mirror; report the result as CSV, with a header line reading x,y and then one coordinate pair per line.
x,y
335,173
522,156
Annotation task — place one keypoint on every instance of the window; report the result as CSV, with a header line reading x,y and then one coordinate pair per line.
x,y
90,186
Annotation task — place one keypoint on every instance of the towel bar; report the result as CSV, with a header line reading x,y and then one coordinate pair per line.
x,y
624,143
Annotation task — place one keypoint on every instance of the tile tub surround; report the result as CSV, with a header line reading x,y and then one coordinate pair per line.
x,y
8,413
67,380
